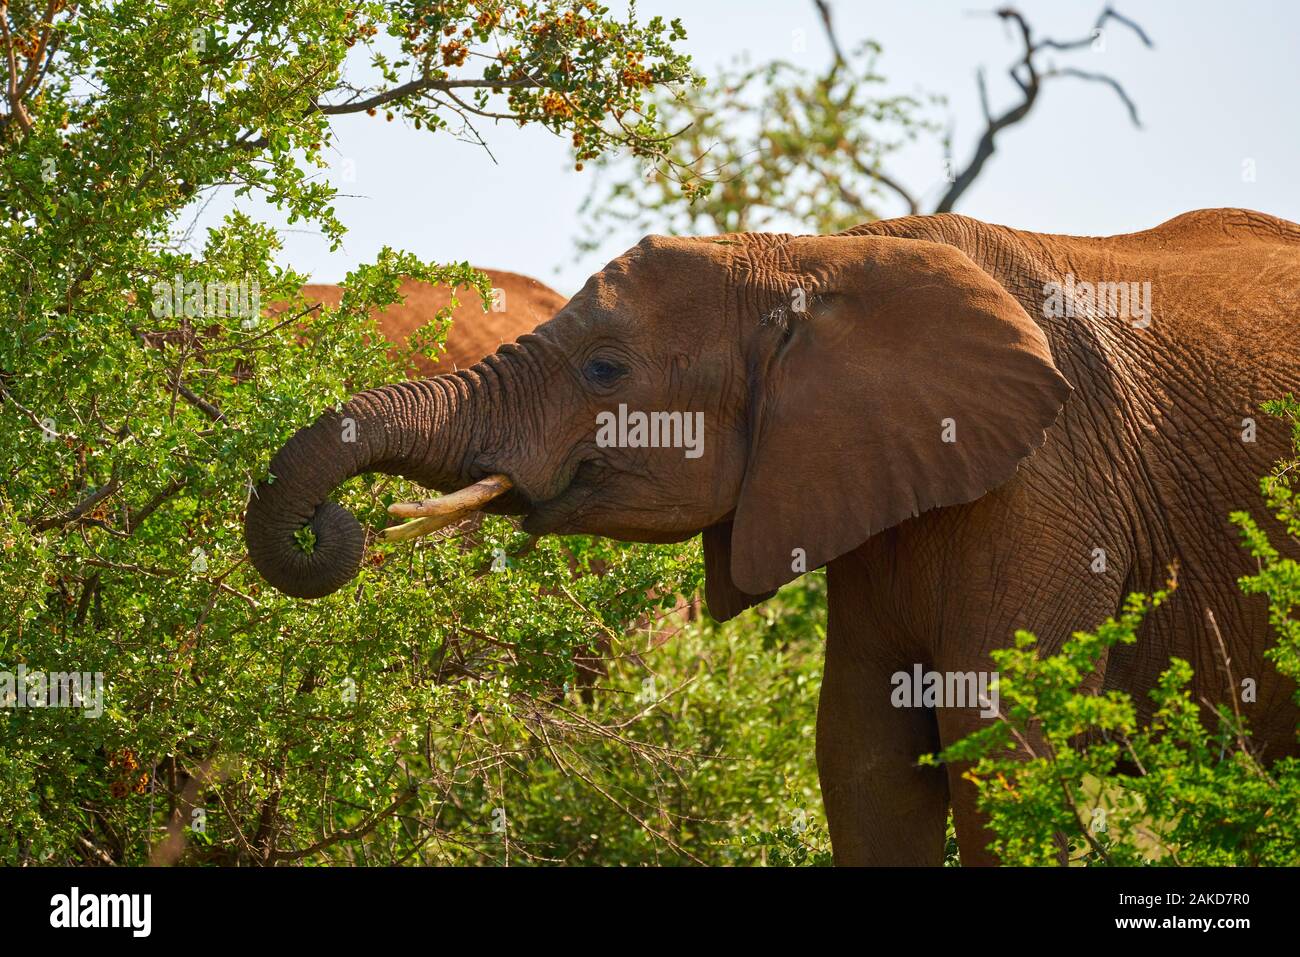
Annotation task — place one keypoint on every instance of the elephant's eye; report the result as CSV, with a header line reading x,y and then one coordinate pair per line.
x,y
603,371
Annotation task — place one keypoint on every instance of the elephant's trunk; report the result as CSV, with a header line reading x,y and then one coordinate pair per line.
x,y
413,429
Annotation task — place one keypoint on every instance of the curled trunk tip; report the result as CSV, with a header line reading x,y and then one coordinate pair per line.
x,y
309,565
306,545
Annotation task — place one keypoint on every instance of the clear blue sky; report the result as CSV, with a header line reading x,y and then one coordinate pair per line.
x,y
1218,89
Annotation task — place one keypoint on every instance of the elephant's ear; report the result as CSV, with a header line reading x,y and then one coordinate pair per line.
x,y
724,600
909,380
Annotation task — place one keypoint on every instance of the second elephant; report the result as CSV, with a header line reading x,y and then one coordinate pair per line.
x,y
522,303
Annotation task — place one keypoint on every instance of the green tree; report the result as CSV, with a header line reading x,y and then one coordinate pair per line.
x,y
142,392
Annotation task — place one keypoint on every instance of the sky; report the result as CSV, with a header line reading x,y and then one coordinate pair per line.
x,y
1216,97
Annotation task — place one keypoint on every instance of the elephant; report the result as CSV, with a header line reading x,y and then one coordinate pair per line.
x,y
523,304
954,419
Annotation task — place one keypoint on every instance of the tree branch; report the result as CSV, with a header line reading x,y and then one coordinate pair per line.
x,y
1030,85
352,835
415,87
135,518
913,207
1100,78
200,403
16,109
87,504
37,59
824,9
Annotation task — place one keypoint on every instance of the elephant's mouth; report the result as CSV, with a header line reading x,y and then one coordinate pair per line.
x,y
558,512
595,502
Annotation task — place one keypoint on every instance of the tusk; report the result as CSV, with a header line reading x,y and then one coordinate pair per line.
x,y
413,529
457,503
432,514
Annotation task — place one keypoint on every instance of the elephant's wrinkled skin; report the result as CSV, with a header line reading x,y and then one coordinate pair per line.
x,y
824,431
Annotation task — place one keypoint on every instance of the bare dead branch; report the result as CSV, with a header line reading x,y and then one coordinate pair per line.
x,y
1027,77
824,9
1100,78
1111,14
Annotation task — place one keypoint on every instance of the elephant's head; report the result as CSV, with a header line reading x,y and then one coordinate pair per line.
x,y
843,384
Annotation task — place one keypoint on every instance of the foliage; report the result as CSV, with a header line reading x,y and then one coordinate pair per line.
x,y
693,749
764,147
1182,788
137,409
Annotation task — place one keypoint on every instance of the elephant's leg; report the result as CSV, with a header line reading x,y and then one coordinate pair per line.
x,y
973,836
881,808
1062,605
